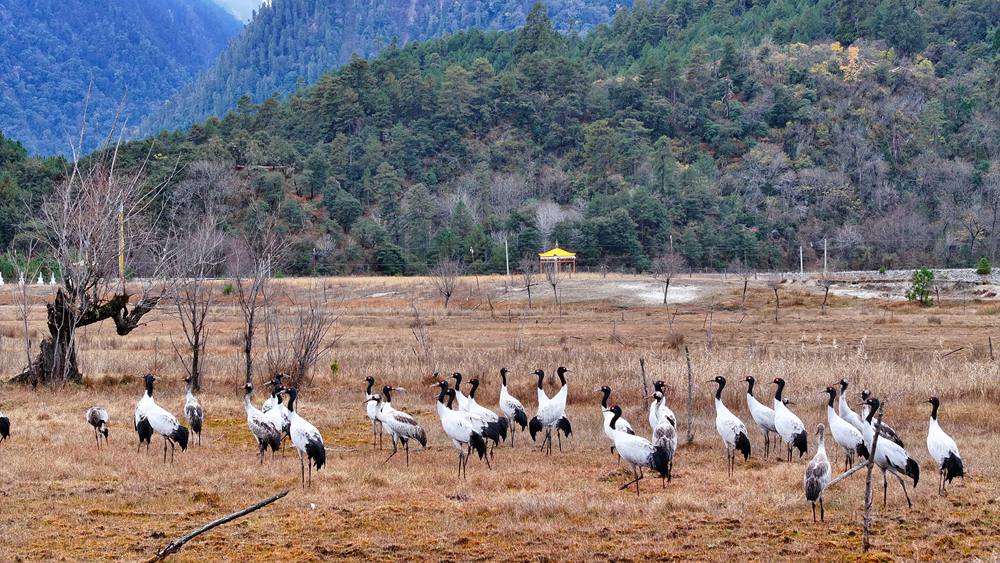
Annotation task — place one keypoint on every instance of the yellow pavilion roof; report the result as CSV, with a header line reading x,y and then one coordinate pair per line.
x,y
557,253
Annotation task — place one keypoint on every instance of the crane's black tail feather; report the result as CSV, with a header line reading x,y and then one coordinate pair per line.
x,y
180,436
521,418
953,467
800,442
317,453
534,427
743,445
565,426
478,443
913,470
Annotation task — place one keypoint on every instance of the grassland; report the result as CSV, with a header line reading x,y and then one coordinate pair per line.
x,y
60,498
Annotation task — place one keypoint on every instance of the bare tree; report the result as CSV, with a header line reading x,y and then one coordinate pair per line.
x,y
93,224
262,249
198,255
296,349
445,276
528,273
553,278
23,271
665,268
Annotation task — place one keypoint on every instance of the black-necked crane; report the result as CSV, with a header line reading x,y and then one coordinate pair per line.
x,y
463,401
658,408
889,456
885,430
459,427
497,424
193,412
818,474
4,427
372,408
762,415
276,390
306,439
551,414
943,449
160,421
844,434
400,425
511,407
622,424
730,428
98,418
263,426
789,426
638,452
665,437
845,411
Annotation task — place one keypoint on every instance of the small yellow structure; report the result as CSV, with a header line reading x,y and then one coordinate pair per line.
x,y
558,259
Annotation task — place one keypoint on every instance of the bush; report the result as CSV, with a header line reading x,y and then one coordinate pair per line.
x,y
920,288
228,289
881,270
983,267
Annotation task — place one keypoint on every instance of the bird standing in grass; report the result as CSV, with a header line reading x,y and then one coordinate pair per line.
x,y
98,418
276,389
158,420
762,415
889,456
943,449
306,439
639,452
730,428
818,474
845,411
511,407
551,414
658,409
844,434
400,425
622,424
192,409
264,427
4,427
885,430
459,427
789,426
665,438
371,409
497,424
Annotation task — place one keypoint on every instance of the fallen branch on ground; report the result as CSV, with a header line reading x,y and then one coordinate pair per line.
x,y
176,545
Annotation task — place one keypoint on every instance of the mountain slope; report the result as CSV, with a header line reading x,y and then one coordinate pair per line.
x,y
53,50
292,42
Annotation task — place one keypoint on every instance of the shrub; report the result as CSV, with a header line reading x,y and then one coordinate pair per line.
x,y
881,270
920,288
227,290
983,267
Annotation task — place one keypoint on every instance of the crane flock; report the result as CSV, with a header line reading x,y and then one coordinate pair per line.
x,y
471,426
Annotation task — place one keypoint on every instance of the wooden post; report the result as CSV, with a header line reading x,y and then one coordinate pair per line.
x,y
990,338
642,370
690,405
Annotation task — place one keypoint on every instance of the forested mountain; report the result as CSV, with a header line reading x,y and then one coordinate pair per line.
x,y
291,43
734,132
52,51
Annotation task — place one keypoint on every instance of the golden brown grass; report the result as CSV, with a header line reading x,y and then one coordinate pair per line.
x,y
64,499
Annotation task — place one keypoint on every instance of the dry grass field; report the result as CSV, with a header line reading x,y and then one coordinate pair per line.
x,y
61,499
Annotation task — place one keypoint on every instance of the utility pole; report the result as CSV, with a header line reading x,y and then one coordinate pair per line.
x,y
506,256
824,257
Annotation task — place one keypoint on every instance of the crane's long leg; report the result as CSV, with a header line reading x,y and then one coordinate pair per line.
x,y
559,438
98,438
767,443
164,449
822,518
406,446
393,450
302,465
171,451
813,503
885,489
906,494
374,436
310,474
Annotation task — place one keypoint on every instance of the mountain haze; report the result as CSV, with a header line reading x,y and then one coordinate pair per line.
x,y
52,52
291,43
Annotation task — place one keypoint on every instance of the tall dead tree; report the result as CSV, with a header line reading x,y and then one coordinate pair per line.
x,y
553,279
297,338
665,268
261,250
94,224
24,272
528,272
445,276
197,258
